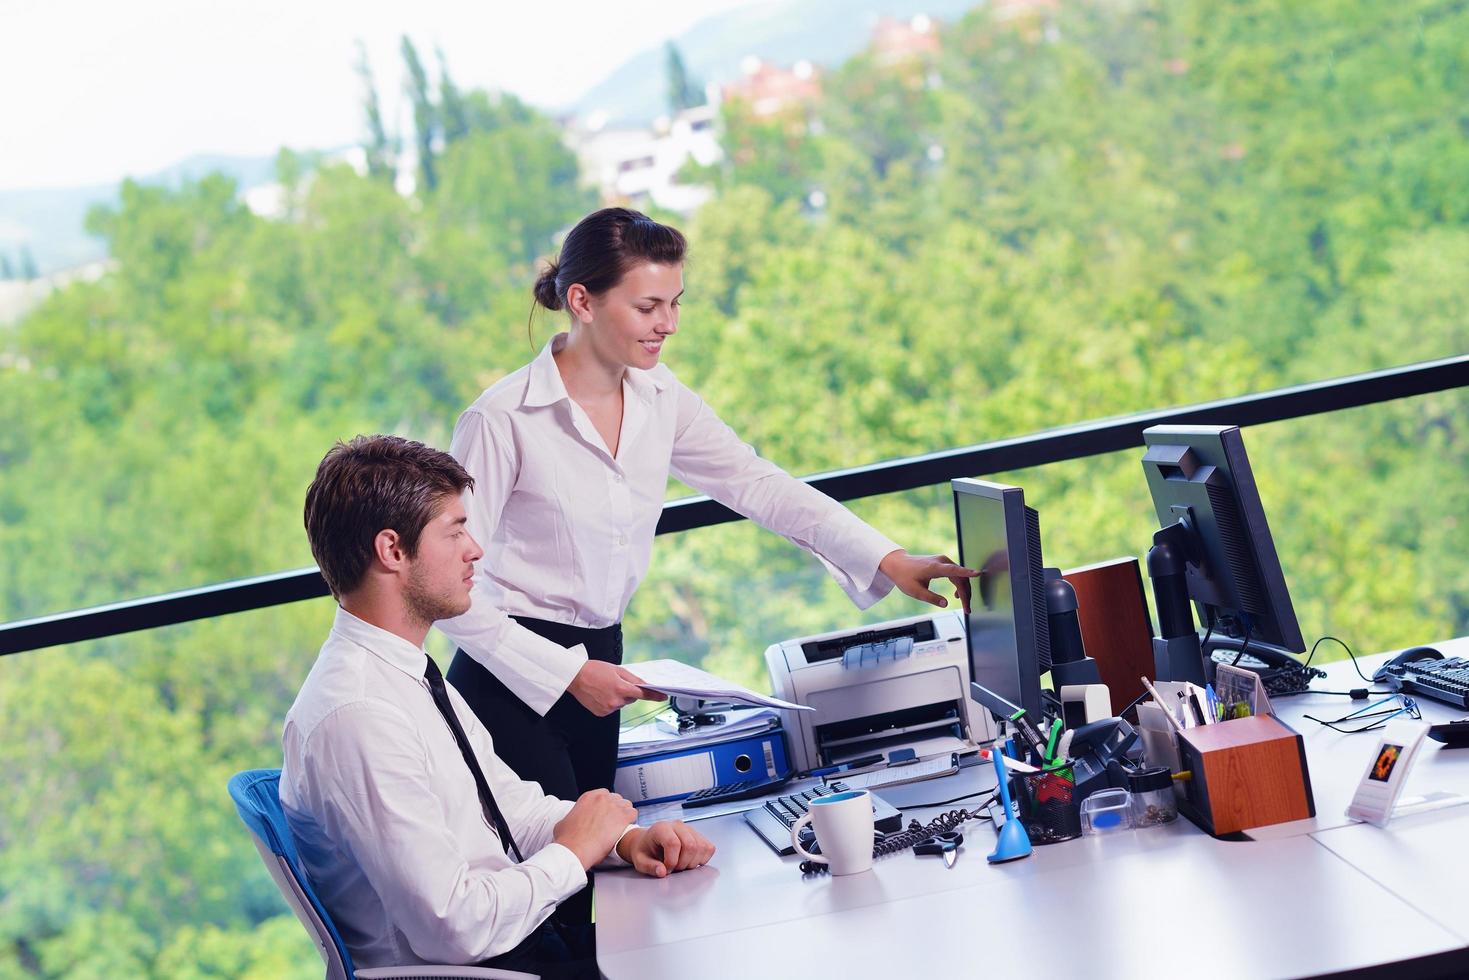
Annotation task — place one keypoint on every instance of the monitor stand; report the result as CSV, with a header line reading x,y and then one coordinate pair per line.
x,y
1176,652
1180,659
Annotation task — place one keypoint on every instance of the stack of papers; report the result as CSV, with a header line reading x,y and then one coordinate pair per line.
x,y
672,677
648,737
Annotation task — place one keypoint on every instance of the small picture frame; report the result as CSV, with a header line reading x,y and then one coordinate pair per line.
x,y
1240,693
1387,771
1387,760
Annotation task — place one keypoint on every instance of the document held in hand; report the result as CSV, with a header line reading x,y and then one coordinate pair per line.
x,y
673,678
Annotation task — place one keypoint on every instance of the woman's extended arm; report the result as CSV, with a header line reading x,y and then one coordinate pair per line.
x,y
710,457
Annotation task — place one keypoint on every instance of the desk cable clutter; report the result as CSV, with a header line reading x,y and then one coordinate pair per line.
x,y
1013,838
911,836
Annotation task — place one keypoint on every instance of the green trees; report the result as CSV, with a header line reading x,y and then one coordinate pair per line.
x,y
380,151
425,113
1057,220
1122,207
684,91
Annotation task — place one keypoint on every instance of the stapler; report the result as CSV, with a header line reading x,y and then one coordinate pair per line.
x,y
685,714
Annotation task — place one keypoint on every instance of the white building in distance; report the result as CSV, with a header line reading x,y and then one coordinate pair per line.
x,y
637,166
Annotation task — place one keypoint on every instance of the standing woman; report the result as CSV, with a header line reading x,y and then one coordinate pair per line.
x,y
571,456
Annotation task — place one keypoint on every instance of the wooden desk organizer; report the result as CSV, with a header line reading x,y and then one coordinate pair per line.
x,y
1249,772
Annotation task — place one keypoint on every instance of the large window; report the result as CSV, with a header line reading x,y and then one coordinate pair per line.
x,y
121,851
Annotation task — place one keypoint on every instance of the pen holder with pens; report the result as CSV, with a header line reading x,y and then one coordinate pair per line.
x,y
1049,809
1245,769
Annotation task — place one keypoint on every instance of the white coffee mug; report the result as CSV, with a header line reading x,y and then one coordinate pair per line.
x,y
843,823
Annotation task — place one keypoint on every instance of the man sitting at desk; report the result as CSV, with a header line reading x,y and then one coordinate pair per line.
x,y
423,845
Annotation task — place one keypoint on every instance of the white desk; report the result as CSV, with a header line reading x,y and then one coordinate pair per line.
x,y
1327,896
1338,760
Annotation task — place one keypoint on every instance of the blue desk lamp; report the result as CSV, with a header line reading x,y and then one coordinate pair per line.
x,y
1013,842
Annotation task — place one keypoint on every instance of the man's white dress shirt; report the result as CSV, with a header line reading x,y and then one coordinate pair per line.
x,y
568,528
388,821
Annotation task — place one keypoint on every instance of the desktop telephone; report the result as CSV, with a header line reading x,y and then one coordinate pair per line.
x,y
1279,672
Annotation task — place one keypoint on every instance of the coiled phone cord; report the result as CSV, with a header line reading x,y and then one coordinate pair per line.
x,y
915,833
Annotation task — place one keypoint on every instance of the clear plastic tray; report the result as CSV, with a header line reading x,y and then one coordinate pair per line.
x,y
1107,811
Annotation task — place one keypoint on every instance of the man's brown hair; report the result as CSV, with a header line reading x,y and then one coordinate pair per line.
x,y
370,484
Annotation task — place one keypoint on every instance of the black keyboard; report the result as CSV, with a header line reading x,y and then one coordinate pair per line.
x,y
773,821
743,790
1444,680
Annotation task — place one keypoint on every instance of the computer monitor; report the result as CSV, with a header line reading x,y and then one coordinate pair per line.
x,y
1007,629
1215,543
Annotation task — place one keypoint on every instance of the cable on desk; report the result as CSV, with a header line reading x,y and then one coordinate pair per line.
x,y
916,832
1356,693
1343,645
1281,677
925,806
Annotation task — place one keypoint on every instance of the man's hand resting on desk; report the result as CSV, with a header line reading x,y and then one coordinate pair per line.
x,y
591,828
912,573
602,688
665,847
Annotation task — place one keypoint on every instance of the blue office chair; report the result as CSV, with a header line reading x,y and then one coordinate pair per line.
x,y
256,793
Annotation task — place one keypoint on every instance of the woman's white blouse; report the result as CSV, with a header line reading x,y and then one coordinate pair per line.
x,y
568,529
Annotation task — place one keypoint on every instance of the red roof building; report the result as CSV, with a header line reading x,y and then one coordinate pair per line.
x,y
769,89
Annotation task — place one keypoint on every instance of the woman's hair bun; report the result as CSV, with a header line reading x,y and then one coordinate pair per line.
x,y
545,290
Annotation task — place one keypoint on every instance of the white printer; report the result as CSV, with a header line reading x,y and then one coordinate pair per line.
x,y
899,684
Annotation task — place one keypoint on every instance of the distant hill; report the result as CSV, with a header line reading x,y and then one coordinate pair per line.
x,y
824,32
51,221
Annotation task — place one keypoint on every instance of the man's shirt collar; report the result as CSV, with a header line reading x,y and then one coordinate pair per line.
x,y
388,647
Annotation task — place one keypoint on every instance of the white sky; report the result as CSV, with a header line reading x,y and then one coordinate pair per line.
x,y
93,90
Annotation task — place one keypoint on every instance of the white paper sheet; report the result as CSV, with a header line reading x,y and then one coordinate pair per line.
x,y
672,677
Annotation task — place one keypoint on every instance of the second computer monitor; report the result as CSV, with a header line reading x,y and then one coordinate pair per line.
x,y
1201,483
1007,629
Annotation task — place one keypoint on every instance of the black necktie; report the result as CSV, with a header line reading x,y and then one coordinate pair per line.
x,y
486,798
